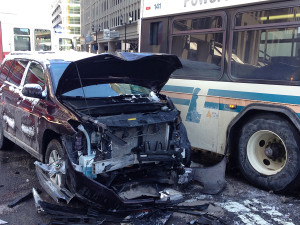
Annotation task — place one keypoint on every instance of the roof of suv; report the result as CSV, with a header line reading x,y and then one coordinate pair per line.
x,y
46,57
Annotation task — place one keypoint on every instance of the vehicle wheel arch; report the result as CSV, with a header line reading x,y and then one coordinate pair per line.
x,y
47,137
249,112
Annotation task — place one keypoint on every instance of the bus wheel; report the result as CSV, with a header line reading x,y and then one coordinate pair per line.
x,y
269,155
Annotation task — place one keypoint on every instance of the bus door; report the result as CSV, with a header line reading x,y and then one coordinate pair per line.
x,y
198,40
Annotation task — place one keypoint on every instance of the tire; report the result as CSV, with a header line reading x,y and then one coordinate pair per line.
x,y
54,153
4,142
277,171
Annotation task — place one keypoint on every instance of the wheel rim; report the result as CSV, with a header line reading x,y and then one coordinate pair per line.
x,y
256,152
55,159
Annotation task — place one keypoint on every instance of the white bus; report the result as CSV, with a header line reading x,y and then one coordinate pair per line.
x,y
238,91
18,36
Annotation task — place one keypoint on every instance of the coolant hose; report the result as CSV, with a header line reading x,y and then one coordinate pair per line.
x,y
81,128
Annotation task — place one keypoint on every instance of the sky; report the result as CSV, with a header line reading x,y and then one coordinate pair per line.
x,y
37,11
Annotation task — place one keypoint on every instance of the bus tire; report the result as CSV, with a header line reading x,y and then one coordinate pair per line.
x,y
268,153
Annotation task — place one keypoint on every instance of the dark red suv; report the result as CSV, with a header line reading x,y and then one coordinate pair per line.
x,y
98,125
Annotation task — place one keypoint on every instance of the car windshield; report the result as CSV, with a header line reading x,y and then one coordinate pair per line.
x,y
108,90
97,90
57,70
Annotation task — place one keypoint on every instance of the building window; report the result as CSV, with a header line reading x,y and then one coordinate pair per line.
x,y
73,20
74,9
74,30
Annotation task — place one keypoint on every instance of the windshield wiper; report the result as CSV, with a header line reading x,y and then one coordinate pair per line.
x,y
72,97
121,104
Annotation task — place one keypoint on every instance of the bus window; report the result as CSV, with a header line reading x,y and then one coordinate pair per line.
x,y
42,40
270,54
268,16
200,54
198,23
22,39
200,51
156,30
154,36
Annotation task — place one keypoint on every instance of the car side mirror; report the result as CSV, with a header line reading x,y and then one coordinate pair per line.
x,y
33,91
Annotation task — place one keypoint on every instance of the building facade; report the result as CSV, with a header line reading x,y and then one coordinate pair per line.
x,y
66,23
110,25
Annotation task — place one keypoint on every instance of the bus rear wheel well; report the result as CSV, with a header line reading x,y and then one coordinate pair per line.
x,y
234,129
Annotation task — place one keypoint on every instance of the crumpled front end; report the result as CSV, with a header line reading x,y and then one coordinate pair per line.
x,y
111,156
124,159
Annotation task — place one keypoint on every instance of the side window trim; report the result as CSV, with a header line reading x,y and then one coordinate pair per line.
x,y
25,74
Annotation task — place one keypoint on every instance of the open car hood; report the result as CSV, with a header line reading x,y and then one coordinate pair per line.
x,y
148,70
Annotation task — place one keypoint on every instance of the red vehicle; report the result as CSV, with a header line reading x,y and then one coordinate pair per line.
x,y
98,123
1,49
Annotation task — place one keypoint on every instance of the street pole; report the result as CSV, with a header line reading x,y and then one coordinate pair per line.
x,y
125,38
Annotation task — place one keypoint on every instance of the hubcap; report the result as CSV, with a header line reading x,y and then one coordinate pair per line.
x,y
266,152
55,159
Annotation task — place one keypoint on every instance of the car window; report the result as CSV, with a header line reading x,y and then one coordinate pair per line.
x,y
109,90
56,70
5,69
17,71
35,75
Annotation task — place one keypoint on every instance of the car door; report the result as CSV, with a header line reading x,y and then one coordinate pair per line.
x,y
10,95
30,109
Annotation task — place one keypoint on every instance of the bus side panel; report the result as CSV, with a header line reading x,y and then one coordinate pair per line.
x,y
207,107
201,122
7,40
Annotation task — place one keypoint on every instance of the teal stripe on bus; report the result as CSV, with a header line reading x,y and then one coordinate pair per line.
x,y
180,101
255,96
211,105
182,89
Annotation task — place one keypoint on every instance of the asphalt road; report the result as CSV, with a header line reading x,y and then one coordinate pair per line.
x,y
239,203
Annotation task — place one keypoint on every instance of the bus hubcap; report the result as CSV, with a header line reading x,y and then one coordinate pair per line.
x,y
266,152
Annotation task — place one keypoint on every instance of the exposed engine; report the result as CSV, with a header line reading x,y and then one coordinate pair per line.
x,y
153,143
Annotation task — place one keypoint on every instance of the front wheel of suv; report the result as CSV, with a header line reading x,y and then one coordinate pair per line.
x,y
4,142
55,156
